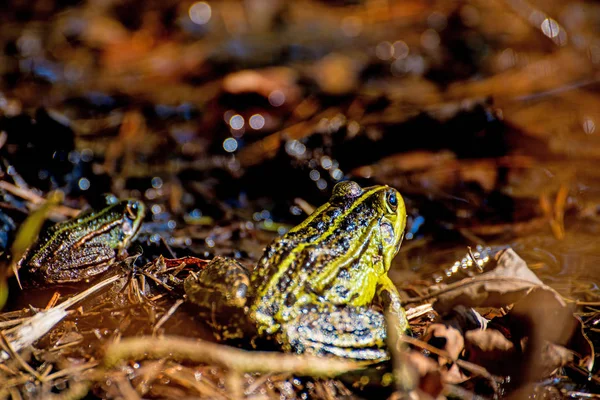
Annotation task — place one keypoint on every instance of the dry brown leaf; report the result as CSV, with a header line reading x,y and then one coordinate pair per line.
x,y
506,284
447,338
431,378
541,317
497,354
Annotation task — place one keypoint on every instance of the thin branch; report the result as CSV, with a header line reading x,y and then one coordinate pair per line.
x,y
226,356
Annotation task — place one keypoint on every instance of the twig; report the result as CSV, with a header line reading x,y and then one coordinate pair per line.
x,y
226,356
37,200
8,348
204,387
71,370
53,300
76,390
167,315
416,312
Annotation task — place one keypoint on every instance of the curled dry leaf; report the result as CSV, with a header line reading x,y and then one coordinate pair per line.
x,y
447,338
506,284
543,332
542,317
450,339
493,351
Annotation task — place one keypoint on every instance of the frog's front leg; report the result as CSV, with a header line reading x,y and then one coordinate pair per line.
x,y
351,332
390,300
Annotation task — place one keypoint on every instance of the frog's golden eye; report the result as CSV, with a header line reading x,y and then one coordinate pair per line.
x,y
392,201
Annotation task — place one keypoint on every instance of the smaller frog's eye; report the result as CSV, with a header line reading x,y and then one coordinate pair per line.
x,y
132,210
392,201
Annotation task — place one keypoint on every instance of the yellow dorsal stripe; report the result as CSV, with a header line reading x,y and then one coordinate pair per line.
x,y
285,263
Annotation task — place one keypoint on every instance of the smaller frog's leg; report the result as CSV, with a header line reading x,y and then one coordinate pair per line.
x,y
389,298
86,261
220,291
223,282
351,332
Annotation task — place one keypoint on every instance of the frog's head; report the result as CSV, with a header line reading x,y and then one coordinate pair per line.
x,y
132,212
392,222
389,214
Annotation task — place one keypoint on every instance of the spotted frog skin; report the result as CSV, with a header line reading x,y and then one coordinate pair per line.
x,y
85,246
316,288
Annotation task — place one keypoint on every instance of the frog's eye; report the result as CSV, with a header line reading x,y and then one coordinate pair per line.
x,y
132,210
392,201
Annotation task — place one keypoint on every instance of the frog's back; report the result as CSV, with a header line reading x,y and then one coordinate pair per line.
x,y
57,241
327,257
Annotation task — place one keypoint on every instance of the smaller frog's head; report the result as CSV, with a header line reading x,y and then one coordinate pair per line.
x,y
133,212
389,211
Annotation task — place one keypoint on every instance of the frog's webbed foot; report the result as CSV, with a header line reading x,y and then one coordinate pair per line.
x,y
350,332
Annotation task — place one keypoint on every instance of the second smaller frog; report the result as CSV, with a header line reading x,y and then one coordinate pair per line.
x,y
85,246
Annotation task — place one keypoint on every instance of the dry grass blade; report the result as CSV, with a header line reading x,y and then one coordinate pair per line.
x,y
416,312
8,349
58,211
226,356
167,315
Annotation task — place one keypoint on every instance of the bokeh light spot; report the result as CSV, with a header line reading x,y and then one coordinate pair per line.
x,y
84,184
276,98
257,121
230,145
550,28
589,126
236,122
200,12
384,51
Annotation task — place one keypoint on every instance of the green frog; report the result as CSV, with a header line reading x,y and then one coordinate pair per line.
x,y
84,246
316,289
